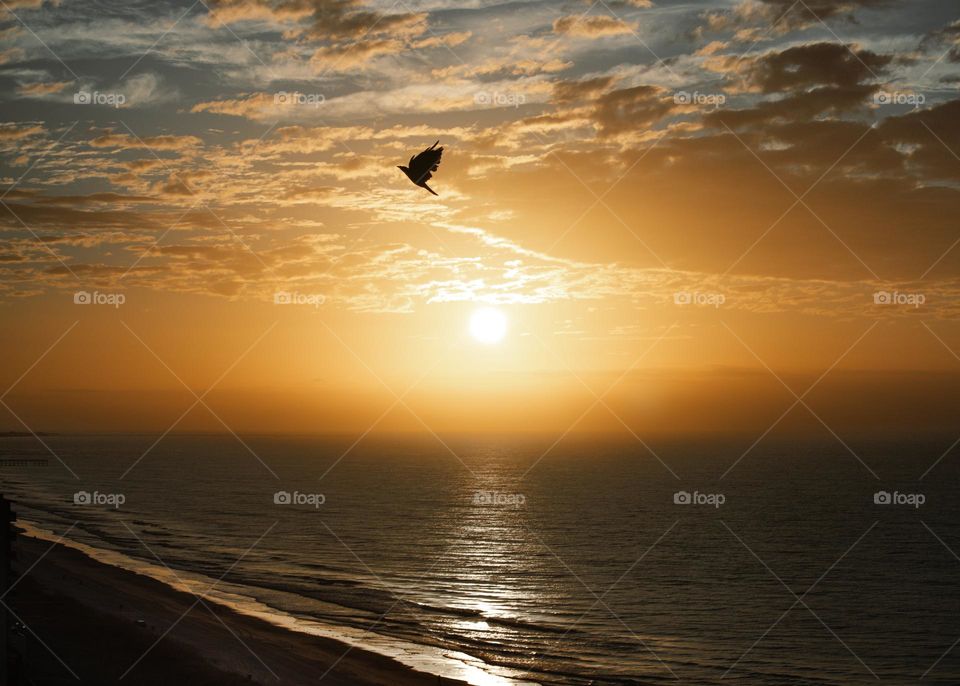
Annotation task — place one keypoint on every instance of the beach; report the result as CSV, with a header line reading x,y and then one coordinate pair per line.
x,y
102,624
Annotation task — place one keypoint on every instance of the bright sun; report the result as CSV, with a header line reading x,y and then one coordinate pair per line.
x,y
488,325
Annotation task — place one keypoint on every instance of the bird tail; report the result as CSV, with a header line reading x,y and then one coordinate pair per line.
x,y
430,189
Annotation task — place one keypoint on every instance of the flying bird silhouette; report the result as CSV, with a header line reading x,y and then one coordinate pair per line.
x,y
423,165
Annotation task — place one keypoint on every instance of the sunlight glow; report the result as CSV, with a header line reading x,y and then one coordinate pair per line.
x,y
488,325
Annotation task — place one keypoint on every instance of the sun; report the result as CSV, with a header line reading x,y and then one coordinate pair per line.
x,y
488,325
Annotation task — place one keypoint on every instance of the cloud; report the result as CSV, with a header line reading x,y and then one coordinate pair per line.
x,y
814,10
948,36
449,40
40,89
339,18
929,139
630,109
346,56
145,90
801,67
257,106
11,55
712,48
25,4
592,26
351,54
808,81
137,91
502,66
519,56
754,20
233,11
698,198
15,131
401,277
424,98
324,19
163,142
800,107
575,91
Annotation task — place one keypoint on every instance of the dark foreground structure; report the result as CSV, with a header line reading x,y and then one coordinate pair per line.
x,y
11,654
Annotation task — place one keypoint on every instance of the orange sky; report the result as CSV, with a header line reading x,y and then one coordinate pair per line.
x,y
701,207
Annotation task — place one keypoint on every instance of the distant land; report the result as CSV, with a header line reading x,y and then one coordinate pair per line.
x,y
24,434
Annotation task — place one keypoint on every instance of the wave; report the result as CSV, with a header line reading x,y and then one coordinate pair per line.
x,y
243,600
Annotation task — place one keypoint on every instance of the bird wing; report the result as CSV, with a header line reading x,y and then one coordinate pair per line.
x,y
423,165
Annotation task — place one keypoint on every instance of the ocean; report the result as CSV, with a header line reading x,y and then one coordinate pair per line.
x,y
498,561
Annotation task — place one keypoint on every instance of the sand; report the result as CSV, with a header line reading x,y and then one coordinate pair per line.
x,y
101,622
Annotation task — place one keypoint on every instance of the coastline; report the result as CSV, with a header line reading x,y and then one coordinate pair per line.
x,y
99,619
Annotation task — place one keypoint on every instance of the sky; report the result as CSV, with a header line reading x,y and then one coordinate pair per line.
x,y
702,216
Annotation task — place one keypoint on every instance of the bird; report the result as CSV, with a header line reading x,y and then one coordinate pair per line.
x,y
423,165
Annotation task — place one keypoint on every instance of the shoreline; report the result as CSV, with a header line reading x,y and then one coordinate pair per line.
x,y
70,599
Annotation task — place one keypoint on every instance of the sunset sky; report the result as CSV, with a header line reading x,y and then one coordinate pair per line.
x,y
687,212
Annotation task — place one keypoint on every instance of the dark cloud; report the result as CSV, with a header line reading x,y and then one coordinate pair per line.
x,y
820,9
814,64
752,20
948,36
630,109
815,80
344,19
806,106
328,19
931,139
